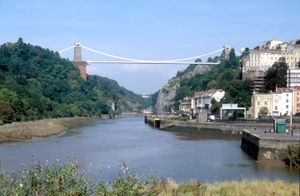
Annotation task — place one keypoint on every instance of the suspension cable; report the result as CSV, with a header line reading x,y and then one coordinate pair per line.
x,y
139,60
64,50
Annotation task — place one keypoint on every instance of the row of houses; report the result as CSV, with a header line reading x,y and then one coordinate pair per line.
x,y
284,101
200,102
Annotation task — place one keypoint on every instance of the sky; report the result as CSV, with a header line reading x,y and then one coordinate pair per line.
x,y
147,29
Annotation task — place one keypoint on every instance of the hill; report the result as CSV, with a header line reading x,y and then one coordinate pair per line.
x,y
36,83
194,78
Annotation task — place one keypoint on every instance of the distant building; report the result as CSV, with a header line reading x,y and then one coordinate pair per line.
x,y
113,106
147,110
186,105
296,100
257,61
203,99
293,77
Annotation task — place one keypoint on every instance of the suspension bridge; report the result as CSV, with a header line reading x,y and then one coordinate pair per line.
x,y
81,64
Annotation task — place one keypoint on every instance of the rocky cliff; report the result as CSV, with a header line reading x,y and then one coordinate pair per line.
x,y
165,98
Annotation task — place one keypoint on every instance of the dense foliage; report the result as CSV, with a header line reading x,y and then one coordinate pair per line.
x,y
276,76
36,83
225,76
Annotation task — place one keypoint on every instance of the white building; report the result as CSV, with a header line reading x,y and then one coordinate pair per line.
x,y
272,44
293,77
203,99
273,51
282,102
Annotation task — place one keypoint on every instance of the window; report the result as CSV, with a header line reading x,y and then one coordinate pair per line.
x,y
266,103
287,95
287,101
258,103
287,106
276,108
298,99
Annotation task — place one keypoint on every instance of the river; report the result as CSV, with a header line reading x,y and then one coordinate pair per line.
x,y
102,145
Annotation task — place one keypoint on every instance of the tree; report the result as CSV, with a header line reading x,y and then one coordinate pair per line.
x,y
36,83
276,76
5,112
215,107
263,111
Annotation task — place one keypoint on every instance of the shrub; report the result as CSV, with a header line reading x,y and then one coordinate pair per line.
x,y
46,180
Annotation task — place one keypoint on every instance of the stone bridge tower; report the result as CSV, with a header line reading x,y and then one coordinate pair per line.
x,y
77,62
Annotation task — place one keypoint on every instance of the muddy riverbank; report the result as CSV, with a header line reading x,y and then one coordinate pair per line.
x,y
20,131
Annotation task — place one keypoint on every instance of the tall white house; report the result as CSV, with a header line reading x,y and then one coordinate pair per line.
x,y
203,99
282,101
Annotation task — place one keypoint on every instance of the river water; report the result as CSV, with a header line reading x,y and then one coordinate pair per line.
x,y
207,156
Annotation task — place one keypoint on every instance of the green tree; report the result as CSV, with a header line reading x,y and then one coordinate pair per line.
x,y
5,112
215,107
14,101
276,76
36,83
263,111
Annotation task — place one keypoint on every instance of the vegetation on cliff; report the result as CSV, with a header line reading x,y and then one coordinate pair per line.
x,y
35,83
65,179
225,76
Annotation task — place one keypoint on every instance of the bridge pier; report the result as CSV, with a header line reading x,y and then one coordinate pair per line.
x,y
81,65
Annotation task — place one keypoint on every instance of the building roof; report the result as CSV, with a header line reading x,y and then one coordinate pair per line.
x,y
208,92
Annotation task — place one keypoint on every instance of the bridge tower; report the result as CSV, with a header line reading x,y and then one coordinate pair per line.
x,y
226,52
77,61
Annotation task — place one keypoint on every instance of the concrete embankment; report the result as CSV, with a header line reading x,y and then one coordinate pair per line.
x,y
256,139
263,146
20,131
226,127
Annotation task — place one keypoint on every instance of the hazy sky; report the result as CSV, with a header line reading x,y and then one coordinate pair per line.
x,y
147,29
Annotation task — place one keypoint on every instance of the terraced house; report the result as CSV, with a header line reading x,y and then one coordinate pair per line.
x,y
277,103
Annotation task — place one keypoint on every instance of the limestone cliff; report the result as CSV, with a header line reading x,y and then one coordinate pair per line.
x,y
165,98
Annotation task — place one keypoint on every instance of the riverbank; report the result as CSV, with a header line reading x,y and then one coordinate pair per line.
x,y
21,131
